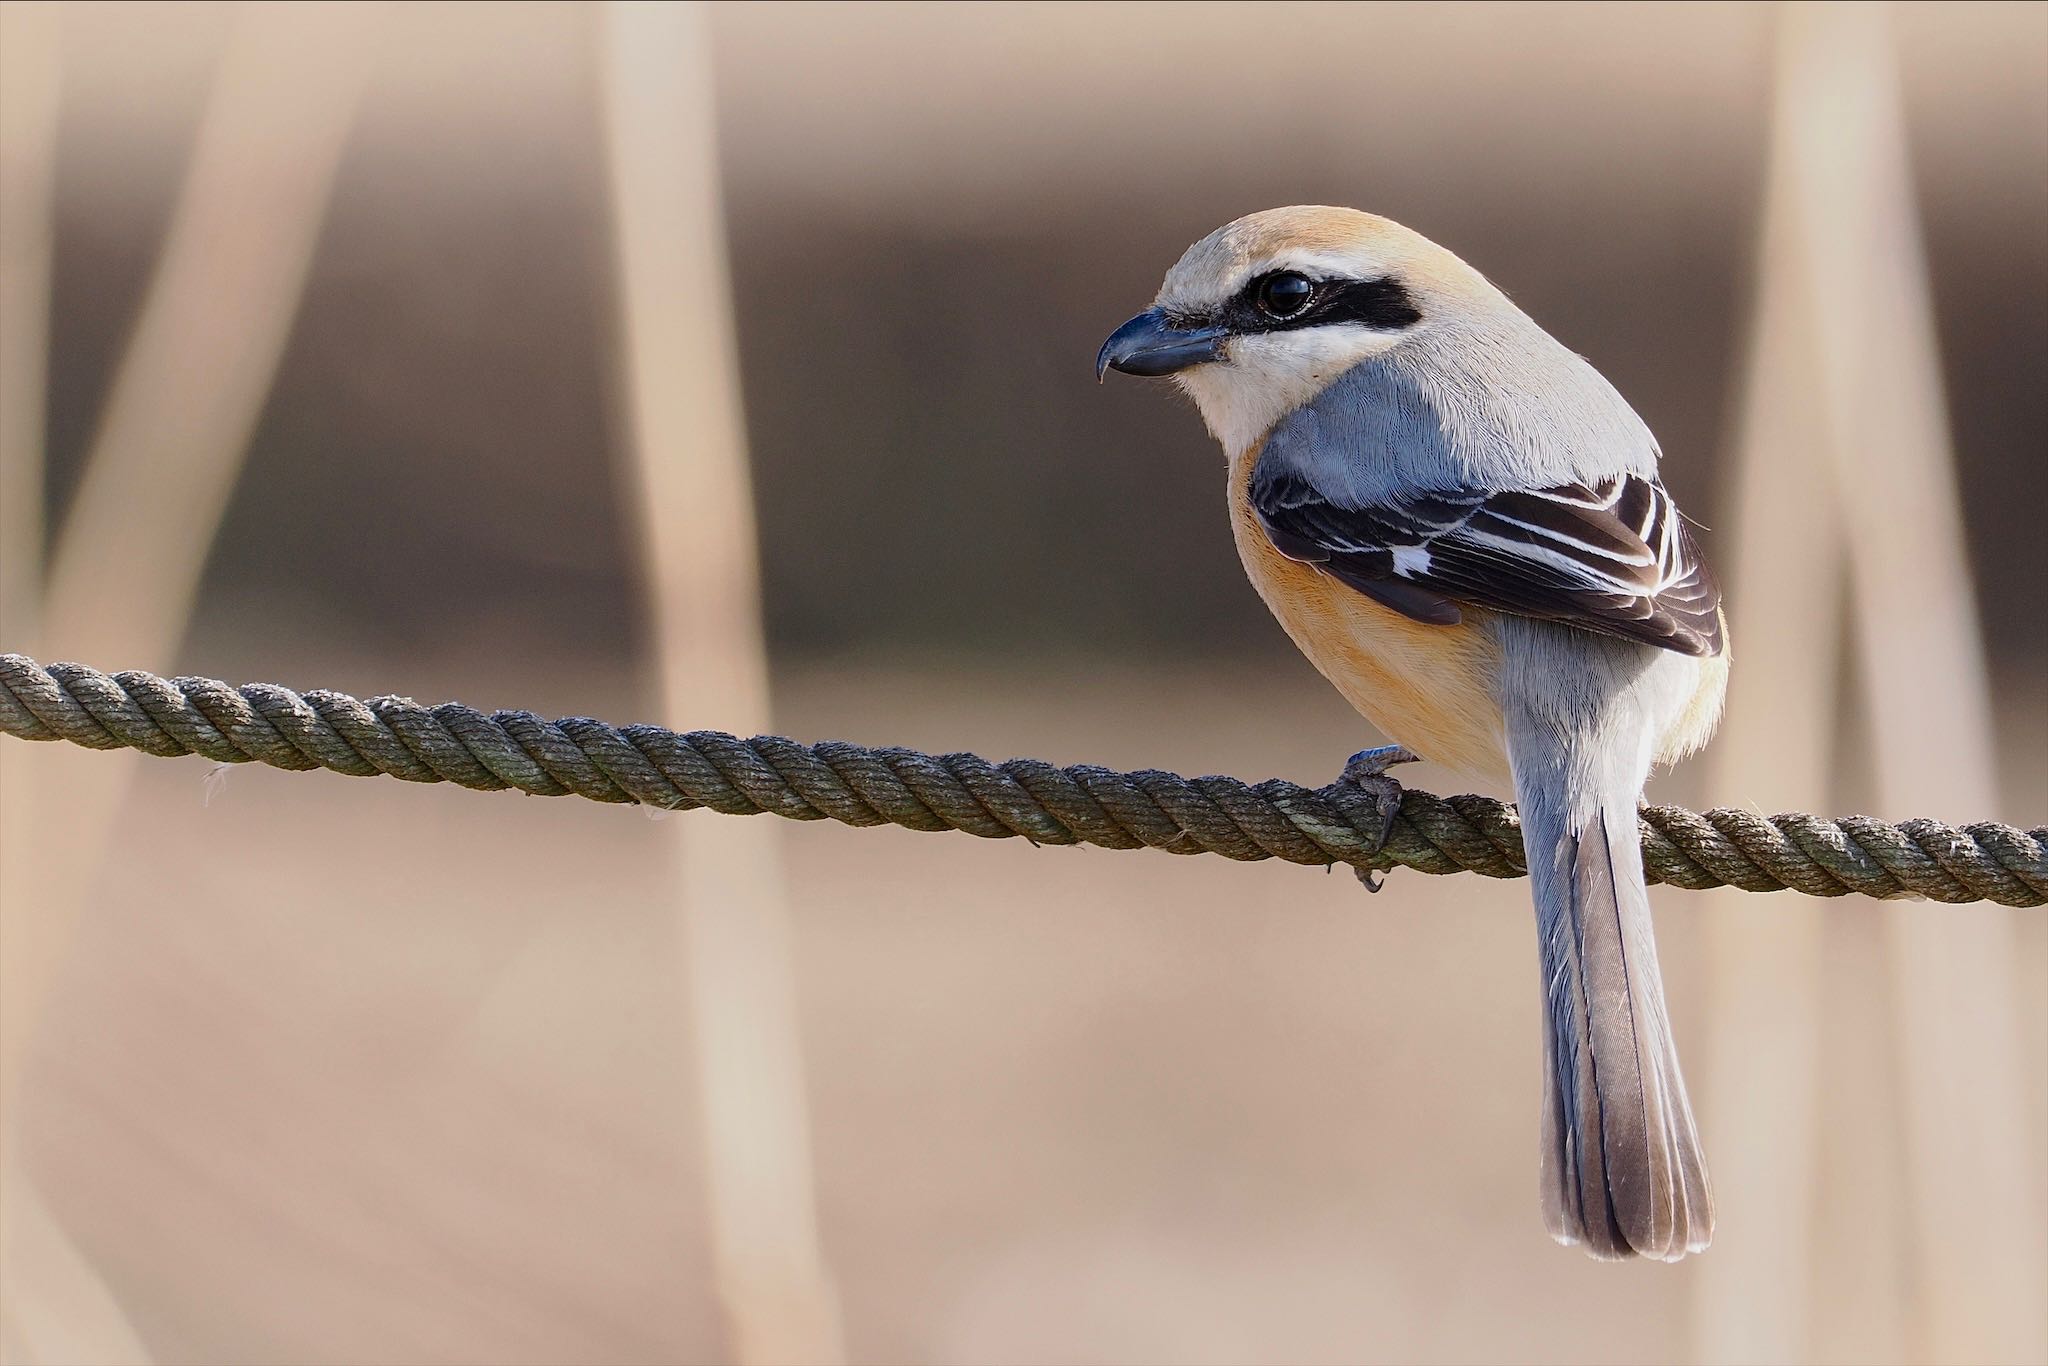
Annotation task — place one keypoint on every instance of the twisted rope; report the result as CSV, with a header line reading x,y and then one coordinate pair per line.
x,y
1043,803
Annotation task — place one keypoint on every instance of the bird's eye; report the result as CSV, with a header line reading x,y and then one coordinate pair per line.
x,y
1284,293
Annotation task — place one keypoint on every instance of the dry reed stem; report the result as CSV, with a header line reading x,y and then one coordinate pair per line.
x,y
1760,1110
185,397
54,1304
1979,1222
689,466
1848,481
171,439
29,74
164,458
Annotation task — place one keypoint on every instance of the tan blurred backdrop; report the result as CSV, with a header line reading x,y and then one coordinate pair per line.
x,y
338,1071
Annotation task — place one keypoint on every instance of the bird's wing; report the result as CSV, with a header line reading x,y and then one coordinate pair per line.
x,y
1613,556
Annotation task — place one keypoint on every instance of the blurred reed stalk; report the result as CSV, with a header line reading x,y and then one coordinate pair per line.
x,y
29,89
1846,482
166,454
54,1305
1760,1109
185,397
58,1309
689,463
1979,1216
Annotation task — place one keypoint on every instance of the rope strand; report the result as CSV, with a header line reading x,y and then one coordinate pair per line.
x,y
1043,803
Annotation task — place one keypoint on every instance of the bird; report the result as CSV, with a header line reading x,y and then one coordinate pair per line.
x,y
1460,523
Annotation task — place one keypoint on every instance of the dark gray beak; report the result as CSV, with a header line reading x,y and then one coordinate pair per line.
x,y
1151,345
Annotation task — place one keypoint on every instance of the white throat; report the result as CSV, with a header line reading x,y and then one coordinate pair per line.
x,y
1268,375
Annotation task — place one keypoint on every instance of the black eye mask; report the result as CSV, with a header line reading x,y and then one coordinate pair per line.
x,y
1381,304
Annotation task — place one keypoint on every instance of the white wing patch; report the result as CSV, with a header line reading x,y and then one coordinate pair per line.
x,y
1411,561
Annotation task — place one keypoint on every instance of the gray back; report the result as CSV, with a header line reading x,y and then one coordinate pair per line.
x,y
1488,406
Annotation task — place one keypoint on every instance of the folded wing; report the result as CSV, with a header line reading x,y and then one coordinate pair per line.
x,y
1613,556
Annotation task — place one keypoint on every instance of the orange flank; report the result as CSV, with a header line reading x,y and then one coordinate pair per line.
x,y
1429,688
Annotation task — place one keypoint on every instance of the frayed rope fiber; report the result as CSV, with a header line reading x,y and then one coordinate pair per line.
x,y
1043,803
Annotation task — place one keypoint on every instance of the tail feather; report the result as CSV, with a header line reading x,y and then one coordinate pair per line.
x,y
1623,1173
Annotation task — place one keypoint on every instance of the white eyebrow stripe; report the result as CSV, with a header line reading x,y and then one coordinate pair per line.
x,y
1313,263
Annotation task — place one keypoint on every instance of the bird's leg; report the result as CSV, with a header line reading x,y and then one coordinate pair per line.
x,y
1367,771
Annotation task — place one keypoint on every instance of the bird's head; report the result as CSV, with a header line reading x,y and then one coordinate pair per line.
x,y
1263,313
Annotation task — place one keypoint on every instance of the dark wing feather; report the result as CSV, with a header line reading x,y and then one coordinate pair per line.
x,y
1613,557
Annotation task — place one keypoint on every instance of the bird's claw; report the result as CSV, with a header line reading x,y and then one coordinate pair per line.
x,y
1367,771
1374,763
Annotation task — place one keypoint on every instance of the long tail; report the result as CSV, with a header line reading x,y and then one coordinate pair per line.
x,y
1622,1169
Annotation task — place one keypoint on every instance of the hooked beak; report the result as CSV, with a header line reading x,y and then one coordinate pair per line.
x,y
1151,345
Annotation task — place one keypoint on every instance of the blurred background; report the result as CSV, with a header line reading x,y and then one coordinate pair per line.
x,y
341,350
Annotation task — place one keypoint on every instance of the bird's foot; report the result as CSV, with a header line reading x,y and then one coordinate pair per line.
x,y
1367,771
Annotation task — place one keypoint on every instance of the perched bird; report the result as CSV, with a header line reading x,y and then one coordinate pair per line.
x,y
1460,523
